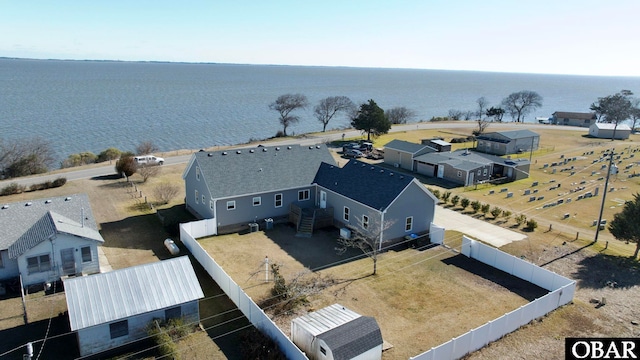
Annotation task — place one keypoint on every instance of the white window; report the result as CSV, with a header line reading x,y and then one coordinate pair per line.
x,y
86,254
197,196
197,173
257,201
479,172
231,205
484,172
38,264
303,195
408,224
278,200
119,329
365,222
345,214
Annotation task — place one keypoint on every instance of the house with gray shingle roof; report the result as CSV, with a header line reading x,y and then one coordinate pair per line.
x,y
400,153
335,332
45,239
115,308
375,201
580,119
508,142
303,183
467,168
243,186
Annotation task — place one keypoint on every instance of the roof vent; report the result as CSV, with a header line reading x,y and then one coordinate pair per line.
x,y
224,153
264,149
238,152
28,204
372,168
68,198
47,201
260,169
381,171
310,147
277,148
209,154
363,164
288,147
5,207
252,151
390,174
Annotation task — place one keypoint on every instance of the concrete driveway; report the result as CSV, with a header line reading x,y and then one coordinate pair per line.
x,y
474,228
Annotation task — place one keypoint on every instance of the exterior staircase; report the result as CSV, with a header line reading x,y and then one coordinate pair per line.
x,y
305,229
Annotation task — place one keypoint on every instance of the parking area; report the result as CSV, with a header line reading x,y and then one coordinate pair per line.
x,y
475,228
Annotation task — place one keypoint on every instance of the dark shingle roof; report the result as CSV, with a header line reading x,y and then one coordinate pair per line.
x,y
404,146
260,169
368,184
353,338
574,115
24,224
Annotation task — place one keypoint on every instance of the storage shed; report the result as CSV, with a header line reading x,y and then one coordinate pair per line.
x,y
336,332
112,309
609,131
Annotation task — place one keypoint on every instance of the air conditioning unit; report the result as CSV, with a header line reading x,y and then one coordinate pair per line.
x,y
345,233
396,165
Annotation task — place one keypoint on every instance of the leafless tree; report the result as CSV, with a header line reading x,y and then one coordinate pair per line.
x,y
370,242
328,107
519,104
635,113
146,147
22,157
285,105
483,104
165,192
455,114
399,115
148,172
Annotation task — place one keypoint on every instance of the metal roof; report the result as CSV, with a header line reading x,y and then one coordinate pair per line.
x,y
611,126
325,319
367,184
465,160
115,295
23,221
509,134
404,146
261,169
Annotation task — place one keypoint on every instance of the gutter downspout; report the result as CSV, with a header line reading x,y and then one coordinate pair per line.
x,y
381,230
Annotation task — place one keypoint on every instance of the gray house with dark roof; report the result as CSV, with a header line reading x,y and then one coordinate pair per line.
x,y
337,333
375,201
45,239
467,168
573,118
400,153
508,142
238,187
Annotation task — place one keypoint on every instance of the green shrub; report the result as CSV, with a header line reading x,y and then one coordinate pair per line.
x,y
475,205
455,200
495,212
521,219
531,225
436,193
464,202
506,214
446,196
485,209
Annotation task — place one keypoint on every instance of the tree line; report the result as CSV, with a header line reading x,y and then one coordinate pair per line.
x,y
368,117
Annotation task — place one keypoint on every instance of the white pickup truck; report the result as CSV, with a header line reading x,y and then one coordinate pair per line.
x,y
148,160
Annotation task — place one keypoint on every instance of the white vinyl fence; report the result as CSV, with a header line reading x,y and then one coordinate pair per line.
x,y
561,291
188,234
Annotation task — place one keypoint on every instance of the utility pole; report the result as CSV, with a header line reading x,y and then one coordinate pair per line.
x,y
604,194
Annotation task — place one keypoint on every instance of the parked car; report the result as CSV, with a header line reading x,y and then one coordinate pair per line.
x,y
148,160
353,153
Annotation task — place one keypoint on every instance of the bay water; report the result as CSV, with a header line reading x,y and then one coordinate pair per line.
x,y
93,105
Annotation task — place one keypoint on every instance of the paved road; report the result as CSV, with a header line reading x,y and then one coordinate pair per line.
x,y
305,140
474,228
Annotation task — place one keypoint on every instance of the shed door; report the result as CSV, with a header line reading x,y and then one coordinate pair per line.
x,y
323,199
68,261
440,171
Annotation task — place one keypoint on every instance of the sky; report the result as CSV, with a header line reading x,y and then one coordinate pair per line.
x,y
584,37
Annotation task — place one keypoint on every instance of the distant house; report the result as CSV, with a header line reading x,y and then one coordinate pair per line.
x,y
400,153
508,142
336,332
573,118
607,131
45,239
238,187
114,308
467,168
374,200
303,185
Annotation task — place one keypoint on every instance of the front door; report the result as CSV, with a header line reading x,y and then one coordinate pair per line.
x,y
68,261
323,199
440,171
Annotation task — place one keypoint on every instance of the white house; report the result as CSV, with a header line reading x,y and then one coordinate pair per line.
x,y
607,131
44,239
336,332
114,308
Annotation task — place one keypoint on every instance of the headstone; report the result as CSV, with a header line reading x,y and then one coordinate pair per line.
x,y
491,192
566,216
535,191
560,201
568,200
540,198
535,183
532,198
597,190
527,192
504,190
561,156
553,171
594,223
545,166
